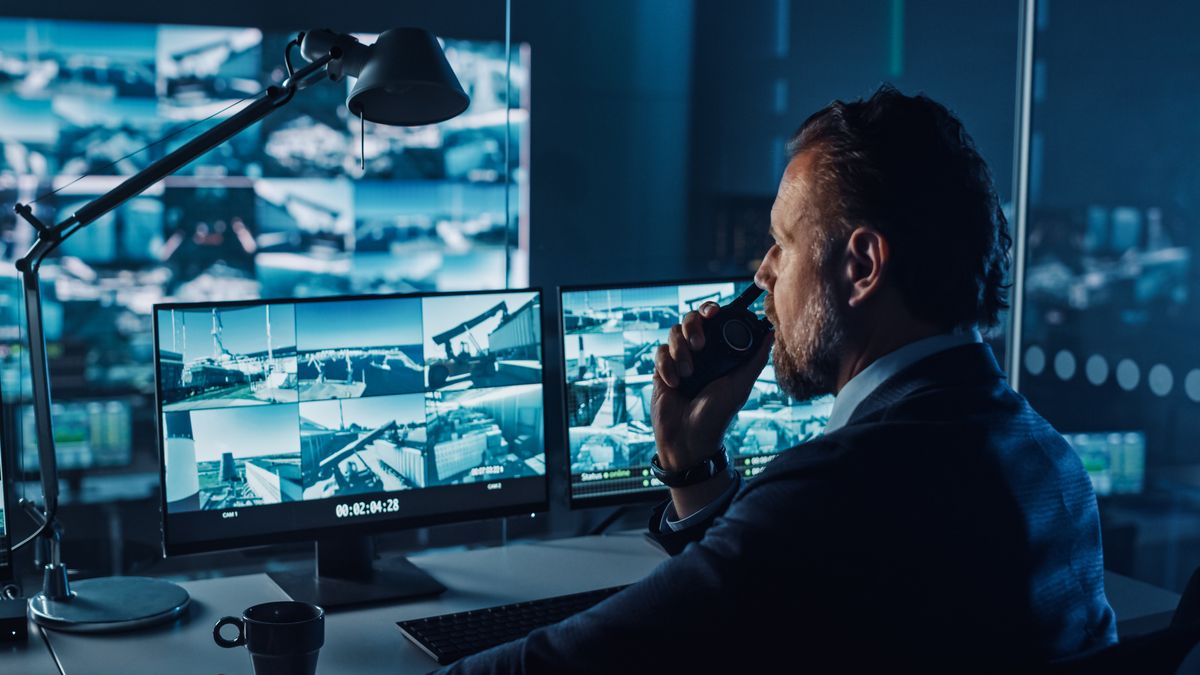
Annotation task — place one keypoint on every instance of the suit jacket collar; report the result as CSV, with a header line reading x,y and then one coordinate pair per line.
x,y
968,364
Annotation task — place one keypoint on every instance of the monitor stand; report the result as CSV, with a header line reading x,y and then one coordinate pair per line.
x,y
347,573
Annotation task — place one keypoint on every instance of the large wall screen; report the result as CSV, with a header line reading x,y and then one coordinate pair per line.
x,y
298,205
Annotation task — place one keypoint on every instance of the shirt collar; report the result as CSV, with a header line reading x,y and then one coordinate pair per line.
x,y
863,384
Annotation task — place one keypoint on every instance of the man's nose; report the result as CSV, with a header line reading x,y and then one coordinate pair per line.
x,y
760,280
764,278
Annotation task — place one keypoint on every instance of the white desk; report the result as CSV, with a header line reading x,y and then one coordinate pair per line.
x,y
367,640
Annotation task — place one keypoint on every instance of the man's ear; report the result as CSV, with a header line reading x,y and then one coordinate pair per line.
x,y
868,255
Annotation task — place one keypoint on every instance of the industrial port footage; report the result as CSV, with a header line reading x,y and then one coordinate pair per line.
x,y
372,415
215,358
482,340
609,343
359,348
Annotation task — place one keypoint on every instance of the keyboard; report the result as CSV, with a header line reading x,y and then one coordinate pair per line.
x,y
449,637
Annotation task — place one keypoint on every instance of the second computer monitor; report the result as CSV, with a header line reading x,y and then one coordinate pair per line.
x,y
88,434
1115,461
306,419
610,336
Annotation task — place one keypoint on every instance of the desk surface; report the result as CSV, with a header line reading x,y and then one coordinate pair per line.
x,y
367,640
28,658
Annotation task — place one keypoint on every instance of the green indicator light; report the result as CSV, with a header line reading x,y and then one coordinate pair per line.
x,y
747,472
645,483
645,472
606,474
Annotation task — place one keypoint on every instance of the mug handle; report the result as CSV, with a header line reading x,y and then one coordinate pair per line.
x,y
230,621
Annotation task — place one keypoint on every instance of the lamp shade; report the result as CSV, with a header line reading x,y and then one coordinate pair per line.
x,y
407,81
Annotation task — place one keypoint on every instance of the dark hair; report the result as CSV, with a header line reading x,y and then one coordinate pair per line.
x,y
906,166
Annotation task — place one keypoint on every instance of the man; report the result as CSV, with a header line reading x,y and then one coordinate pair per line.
x,y
939,522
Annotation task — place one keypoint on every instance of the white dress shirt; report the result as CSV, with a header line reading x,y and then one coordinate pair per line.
x,y
845,403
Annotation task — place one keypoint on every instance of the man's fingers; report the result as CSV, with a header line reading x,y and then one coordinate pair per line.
x,y
661,390
664,366
680,350
709,308
693,330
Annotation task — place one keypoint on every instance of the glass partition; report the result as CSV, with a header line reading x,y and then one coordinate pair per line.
x,y
1112,295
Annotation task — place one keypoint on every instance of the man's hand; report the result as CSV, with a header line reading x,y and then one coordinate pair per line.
x,y
688,431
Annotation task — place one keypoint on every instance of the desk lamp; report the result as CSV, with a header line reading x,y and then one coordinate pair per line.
x,y
403,79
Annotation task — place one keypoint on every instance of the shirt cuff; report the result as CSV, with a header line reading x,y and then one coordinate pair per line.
x,y
669,523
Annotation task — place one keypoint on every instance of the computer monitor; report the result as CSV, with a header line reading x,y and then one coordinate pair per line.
x,y
324,419
1115,461
88,434
609,336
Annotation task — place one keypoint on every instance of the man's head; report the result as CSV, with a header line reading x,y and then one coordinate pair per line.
x,y
886,228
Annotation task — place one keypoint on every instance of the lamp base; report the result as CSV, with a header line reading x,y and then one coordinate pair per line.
x,y
110,604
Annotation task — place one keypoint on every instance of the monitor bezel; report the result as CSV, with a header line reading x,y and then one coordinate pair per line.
x,y
621,499
381,525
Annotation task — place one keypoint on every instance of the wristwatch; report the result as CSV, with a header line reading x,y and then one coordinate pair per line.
x,y
696,473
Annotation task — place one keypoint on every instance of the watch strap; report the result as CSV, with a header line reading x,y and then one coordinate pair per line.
x,y
696,473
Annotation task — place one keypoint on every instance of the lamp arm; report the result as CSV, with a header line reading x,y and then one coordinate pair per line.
x,y
273,98
50,237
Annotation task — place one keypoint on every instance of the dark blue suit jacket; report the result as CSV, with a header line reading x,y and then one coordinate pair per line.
x,y
946,526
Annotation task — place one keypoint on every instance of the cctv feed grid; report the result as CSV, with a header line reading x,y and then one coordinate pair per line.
x,y
274,403
295,206
609,340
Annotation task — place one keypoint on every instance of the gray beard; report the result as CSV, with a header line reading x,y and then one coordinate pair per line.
x,y
806,365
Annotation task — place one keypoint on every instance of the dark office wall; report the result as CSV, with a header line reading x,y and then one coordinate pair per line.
x,y
610,101
764,66
611,98
1111,86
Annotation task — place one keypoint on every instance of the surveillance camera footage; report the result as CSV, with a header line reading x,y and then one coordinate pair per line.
x,y
87,434
610,336
266,403
234,357
381,356
281,210
1115,461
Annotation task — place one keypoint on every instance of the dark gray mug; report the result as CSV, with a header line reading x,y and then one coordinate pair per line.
x,y
283,638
